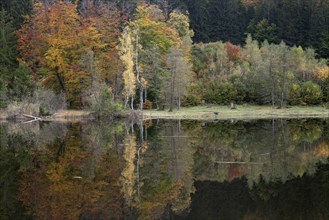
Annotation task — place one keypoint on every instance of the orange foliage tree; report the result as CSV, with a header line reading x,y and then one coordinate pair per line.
x,y
233,51
108,21
55,40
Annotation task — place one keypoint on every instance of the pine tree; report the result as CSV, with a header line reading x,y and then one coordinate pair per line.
x,y
7,53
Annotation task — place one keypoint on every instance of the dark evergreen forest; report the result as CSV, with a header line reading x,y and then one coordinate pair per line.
x,y
297,22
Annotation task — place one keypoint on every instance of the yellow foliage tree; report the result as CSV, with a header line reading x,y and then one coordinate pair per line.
x,y
126,56
322,73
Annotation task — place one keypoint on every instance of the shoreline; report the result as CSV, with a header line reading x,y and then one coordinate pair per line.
x,y
61,115
241,113
195,113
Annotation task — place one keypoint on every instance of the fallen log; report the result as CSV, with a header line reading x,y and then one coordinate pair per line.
x,y
31,116
34,118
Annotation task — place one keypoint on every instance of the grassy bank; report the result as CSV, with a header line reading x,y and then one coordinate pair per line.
x,y
70,115
242,112
203,113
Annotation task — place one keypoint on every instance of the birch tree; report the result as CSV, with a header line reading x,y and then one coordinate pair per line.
x,y
126,56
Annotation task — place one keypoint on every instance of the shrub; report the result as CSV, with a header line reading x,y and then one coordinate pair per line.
x,y
147,104
326,105
191,100
102,102
221,93
194,95
311,93
25,107
43,102
48,101
295,94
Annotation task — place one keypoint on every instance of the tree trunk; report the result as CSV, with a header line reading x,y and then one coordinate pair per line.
x,y
138,74
273,92
172,90
273,83
165,9
126,101
283,91
132,103
141,98
61,82
283,83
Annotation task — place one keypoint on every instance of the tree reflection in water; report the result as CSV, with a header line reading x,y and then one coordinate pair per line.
x,y
302,197
165,169
76,177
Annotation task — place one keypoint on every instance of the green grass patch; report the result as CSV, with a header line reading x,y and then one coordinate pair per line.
x,y
242,112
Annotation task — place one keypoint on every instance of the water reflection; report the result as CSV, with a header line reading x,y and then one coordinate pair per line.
x,y
302,197
165,170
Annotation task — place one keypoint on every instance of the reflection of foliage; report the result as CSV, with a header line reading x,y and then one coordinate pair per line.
x,y
71,179
128,173
10,161
301,197
88,170
273,148
214,200
166,172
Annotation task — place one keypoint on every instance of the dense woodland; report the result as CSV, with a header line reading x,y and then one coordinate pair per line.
x,y
107,55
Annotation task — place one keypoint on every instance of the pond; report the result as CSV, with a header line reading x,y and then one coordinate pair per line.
x,y
165,169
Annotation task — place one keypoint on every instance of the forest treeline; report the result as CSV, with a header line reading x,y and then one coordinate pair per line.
x,y
104,55
296,22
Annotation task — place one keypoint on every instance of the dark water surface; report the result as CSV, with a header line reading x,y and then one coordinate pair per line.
x,y
260,169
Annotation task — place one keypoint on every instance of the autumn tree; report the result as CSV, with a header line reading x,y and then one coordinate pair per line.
x,y
126,56
233,51
55,39
107,19
152,38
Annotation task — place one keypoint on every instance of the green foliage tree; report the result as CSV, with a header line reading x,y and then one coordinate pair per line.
x,y
17,9
153,38
262,31
263,74
21,83
15,77
7,53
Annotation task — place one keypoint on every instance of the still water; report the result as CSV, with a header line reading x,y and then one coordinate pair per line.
x,y
260,169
